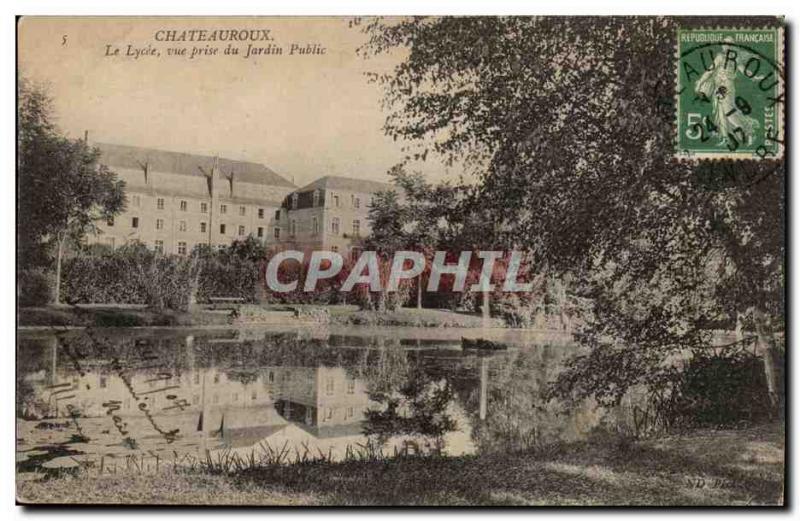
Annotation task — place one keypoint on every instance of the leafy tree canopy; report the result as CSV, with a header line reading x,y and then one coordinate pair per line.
x,y
569,125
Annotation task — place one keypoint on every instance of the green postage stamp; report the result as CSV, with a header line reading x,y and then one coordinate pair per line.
x,y
730,93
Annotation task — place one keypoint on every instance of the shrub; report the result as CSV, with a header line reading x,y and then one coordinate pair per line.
x,y
35,287
130,275
228,276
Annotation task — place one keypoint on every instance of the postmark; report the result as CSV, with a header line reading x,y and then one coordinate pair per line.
x,y
730,95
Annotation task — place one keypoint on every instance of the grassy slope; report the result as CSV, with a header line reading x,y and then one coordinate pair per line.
x,y
722,468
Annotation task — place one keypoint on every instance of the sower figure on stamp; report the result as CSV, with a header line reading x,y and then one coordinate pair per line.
x,y
718,84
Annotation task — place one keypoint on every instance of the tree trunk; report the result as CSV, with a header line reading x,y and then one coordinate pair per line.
x,y
59,255
739,332
766,344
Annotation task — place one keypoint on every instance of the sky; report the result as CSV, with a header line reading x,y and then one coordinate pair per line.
x,y
303,115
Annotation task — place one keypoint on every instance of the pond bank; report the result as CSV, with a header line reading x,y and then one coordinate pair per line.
x,y
137,316
725,467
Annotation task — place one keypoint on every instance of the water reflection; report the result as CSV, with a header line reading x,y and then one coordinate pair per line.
x,y
102,397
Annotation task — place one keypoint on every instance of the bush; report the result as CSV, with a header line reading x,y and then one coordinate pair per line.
x,y
35,287
723,390
134,274
228,276
129,275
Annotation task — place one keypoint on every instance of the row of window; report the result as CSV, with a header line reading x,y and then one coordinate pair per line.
x,y
355,202
182,226
330,386
184,207
315,229
327,414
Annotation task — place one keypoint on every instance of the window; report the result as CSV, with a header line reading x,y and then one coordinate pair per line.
x,y
242,210
181,248
137,200
235,397
196,378
160,203
159,224
348,413
292,228
254,395
356,227
110,221
182,226
222,229
183,206
314,226
355,253
135,222
241,230
103,382
223,208
328,414
329,386
260,231
277,215
336,201
351,386
357,203
159,247
334,248
294,201
316,197
216,378
195,399
335,226
202,227
271,376
203,207
277,233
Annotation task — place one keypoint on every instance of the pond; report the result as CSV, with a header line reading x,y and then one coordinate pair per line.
x,y
117,399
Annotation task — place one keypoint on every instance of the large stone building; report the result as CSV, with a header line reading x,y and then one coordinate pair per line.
x,y
176,201
328,214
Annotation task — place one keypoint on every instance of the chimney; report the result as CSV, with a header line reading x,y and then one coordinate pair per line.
x,y
86,137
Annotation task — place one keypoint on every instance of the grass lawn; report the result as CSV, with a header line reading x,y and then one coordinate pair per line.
x,y
735,467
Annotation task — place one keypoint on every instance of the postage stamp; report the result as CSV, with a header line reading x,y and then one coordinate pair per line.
x,y
730,94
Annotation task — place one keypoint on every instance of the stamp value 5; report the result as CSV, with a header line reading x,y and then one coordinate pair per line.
x,y
730,94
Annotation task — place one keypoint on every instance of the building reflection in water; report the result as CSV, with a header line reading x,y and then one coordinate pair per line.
x,y
145,402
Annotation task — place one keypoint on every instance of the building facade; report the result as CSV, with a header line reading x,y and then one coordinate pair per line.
x,y
328,214
176,201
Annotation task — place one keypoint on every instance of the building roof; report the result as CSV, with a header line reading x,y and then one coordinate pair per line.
x,y
124,156
332,182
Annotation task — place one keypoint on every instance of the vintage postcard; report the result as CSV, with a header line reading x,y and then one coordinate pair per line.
x,y
429,261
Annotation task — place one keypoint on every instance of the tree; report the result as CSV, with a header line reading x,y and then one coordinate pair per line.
x,y
568,125
387,218
63,188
